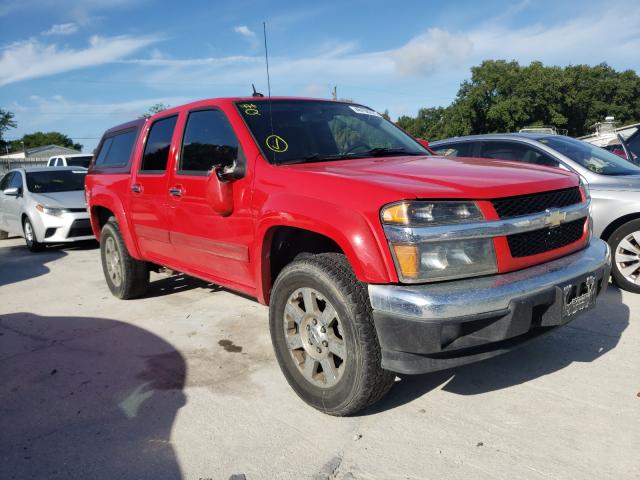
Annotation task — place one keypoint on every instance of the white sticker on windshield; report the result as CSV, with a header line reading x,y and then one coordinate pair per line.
x,y
364,111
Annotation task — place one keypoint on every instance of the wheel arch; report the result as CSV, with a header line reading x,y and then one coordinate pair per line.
x,y
617,223
101,211
314,237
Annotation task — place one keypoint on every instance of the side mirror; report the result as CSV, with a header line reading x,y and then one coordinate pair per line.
x,y
220,192
423,142
12,192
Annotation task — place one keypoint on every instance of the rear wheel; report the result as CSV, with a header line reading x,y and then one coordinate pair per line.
x,y
126,277
30,237
625,249
323,335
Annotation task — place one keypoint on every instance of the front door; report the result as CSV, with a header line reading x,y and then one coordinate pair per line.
x,y
149,192
208,244
9,204
12,205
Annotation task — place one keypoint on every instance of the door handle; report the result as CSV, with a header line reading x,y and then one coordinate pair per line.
x,y
136,188
176,191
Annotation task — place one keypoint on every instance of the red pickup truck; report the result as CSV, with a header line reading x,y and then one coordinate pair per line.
x,y
374,256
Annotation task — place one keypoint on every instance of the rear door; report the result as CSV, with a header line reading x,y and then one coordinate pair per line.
x,y
149,191
207,243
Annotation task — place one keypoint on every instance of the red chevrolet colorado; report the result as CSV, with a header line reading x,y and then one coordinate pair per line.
x,y
374,256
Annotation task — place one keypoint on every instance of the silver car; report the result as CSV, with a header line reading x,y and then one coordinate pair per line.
x,y
614,184
45,205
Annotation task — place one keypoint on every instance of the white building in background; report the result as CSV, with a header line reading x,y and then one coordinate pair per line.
x,y
39,153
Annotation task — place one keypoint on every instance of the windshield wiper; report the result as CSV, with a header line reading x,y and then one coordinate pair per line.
x,y
374,152
384,151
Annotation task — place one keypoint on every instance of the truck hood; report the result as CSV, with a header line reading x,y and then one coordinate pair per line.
x,y
74,199
447,177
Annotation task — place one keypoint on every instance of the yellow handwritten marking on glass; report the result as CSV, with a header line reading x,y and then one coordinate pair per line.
x,y
276,143
250,109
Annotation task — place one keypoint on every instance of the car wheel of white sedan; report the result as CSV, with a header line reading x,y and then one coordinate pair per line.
x,y
30,237
625,250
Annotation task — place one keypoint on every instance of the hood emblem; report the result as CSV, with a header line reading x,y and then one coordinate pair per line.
x,y
554,217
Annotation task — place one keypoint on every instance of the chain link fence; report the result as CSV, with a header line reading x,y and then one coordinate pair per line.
x,y
7,164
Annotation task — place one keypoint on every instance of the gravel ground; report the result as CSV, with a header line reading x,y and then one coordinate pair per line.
x,y
183,384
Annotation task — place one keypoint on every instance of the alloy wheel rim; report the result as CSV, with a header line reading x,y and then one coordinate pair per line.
x,y
313,333
28,232
627,257
113,261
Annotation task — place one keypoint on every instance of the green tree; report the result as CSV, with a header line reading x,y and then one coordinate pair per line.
x,y
153,109
505,96
40,139
6,122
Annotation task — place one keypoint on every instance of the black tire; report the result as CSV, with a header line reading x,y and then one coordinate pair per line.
x,y
615,241
363,381
133,279
3,235
30,239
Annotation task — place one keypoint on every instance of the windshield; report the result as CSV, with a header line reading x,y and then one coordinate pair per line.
x,y
594,158
299,131
79,161
56,181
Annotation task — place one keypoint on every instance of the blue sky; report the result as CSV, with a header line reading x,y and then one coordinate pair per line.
x,y
80,67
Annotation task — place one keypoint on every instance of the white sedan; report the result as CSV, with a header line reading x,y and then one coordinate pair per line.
x,y
44,205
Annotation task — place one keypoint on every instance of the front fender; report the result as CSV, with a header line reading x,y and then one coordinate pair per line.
x,y
365,248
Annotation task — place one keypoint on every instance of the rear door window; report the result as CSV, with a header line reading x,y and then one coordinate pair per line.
x,y
116,149
516,152
156,150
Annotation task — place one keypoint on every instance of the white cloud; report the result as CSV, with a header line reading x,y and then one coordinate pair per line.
x,y
62,29
31,58
422,54
244,31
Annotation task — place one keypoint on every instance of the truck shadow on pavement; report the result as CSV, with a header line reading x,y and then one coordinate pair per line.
x,y
87,398
584,340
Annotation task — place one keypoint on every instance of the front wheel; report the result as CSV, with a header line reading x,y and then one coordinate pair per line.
x,y
625,250
323,335
126,277
30,237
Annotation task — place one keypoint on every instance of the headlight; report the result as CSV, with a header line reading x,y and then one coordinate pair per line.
x,y
429,261
419,214
55,211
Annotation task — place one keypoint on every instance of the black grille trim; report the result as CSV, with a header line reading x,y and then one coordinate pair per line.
x,y
540,241
80,228
539,202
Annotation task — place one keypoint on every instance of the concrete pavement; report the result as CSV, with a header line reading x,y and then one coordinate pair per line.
x,y
183,384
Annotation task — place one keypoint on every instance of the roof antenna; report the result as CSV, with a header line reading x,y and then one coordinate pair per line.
x,y
266,59
256,93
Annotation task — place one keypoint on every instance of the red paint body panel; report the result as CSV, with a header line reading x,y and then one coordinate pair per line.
x,y
339,199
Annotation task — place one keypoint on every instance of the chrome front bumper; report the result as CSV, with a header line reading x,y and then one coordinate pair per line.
x,y
434,326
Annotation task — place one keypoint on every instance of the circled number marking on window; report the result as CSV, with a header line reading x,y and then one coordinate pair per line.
x,y
250,109
276,143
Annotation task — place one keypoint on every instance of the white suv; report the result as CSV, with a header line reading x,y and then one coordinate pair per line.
x,y
75,160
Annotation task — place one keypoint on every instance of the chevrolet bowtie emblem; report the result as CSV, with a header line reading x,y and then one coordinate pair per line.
x,y
554,218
